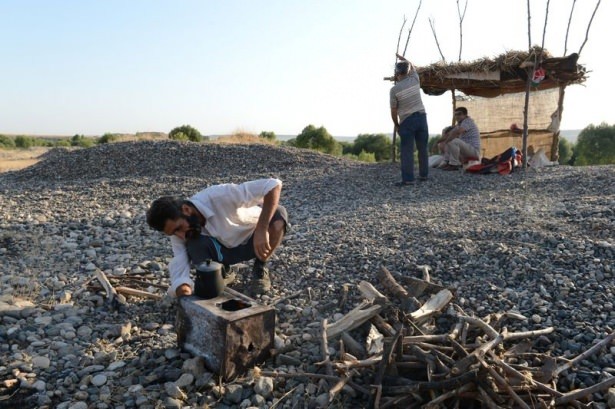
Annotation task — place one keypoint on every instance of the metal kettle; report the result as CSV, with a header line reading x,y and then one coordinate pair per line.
x,y
209,282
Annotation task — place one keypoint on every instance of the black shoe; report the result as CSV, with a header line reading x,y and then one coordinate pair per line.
x,y
261,282
451,167
404,183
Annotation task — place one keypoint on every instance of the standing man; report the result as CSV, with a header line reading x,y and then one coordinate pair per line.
x,y
460,143
410,119
226,223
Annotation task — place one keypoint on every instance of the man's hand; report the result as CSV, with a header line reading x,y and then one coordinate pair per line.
x,y
262,248
183,290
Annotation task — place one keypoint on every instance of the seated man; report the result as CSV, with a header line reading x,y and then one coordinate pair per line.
x,y
223,223
460,143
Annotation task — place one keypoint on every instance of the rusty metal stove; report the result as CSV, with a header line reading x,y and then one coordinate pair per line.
x,y
231,332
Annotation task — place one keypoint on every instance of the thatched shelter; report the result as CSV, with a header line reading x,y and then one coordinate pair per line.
x,y
494,93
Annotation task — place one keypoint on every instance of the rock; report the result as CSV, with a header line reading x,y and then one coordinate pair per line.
x,y
41,362
233,393
184,380
174,391
263,386
611,398
99,380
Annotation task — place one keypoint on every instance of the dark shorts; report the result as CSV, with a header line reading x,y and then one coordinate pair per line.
x,y
207,247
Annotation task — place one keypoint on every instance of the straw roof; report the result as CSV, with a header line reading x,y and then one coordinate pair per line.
x,y
507,73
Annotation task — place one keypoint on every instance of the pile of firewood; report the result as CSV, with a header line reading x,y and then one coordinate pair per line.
x,y
478,363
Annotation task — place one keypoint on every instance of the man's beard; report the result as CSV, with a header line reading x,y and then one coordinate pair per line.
x,y
194,224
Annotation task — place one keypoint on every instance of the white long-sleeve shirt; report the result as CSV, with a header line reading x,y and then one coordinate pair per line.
x,y
231,212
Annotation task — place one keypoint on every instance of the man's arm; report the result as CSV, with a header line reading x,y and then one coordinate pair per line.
x,y
262,247
179,270
456,132
395,118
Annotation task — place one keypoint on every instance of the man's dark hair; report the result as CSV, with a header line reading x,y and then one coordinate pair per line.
x,y
463,110
402,67
163,209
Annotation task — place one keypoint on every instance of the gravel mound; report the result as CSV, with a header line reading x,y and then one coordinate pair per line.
x,y
169,158
540,243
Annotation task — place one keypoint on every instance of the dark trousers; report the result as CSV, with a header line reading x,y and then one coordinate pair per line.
x,y
204,247
414,129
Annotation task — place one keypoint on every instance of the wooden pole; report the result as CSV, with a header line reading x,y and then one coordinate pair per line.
x,y
530,74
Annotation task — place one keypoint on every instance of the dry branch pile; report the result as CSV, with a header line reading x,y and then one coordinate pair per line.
x,y
512,68
478,363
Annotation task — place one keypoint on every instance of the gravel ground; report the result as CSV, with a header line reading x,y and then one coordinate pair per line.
x,y
540,243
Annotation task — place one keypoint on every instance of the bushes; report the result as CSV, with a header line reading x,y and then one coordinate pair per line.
x,y
186,132
82,141
6,142
267,135
24,142
564,147
318,139
379,145
596,145
107,138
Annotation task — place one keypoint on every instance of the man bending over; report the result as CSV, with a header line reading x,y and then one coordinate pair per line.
x,y
226,223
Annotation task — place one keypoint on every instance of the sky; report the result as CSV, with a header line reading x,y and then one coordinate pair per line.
x,y
91,67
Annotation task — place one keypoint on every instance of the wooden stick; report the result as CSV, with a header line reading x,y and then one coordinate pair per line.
x,y
477,322
574,395
276,374
84,286
454,382
370,292
412,26
490,403
527,334
503,383
343,365
383,326
437,402
512,371
463,364
288,297
338,387
104,281
589,352
391,285
324,347
433,305
353,319
138,293
588,27
353,346
344,297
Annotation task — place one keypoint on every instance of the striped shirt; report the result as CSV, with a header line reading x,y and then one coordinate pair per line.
x,y
470,134
406,96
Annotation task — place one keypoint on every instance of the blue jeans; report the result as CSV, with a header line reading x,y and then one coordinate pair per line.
x,y
414,128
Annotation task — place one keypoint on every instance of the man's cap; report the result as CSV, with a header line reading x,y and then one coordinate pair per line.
x,y
402,67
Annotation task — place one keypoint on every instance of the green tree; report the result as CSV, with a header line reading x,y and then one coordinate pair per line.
x,y
596,145
82,141
6,142
191,133
179,136
61,143
107,138
378,144
268,135
24,142
564,148
318,139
